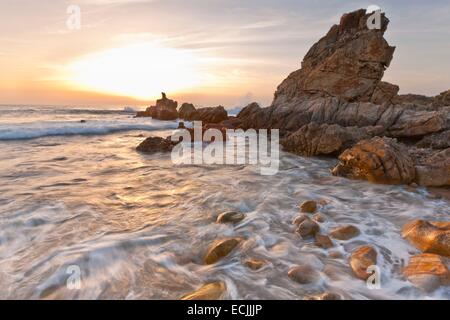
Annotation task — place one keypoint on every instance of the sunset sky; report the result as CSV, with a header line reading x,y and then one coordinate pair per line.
x,y
208,52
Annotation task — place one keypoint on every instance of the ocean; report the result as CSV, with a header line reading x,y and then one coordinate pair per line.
x,y
75,196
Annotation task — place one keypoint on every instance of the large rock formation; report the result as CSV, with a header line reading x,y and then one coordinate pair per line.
x,y
348,62
338,98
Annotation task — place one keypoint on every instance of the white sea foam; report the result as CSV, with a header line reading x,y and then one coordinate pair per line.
x,y
21,131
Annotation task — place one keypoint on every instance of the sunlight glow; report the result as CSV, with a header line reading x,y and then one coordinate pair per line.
x,y
139,71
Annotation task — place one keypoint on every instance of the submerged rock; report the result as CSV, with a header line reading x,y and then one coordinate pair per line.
x,y
325,296
323,241
188,112
307,228
349,62
361,259
429,237
156,144
304,274
379,160
230,217
427,272
219,249
210,291
165,109
309,206
344,232
254,264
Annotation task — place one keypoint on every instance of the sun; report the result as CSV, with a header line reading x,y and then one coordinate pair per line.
x,y
140,71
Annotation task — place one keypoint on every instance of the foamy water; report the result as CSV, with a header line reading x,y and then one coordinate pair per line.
x,y
137,226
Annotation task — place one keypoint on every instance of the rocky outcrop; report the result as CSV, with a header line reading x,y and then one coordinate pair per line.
x,y
210,291
380,160
442,100
212,114
348,62
165,109
429,237
155,144
338,99
304,274
427,271
322,139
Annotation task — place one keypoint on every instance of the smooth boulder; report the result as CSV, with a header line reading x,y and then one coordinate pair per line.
x,y
428,236
220,249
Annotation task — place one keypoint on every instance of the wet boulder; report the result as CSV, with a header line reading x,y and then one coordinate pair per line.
x,y
307,228
429,237
210,291
230,217
304,274
344,232
220,249
378,160
361,259
254,264
188,112
427,271
156,144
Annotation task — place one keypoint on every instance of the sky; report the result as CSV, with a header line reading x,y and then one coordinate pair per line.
x,y
208,52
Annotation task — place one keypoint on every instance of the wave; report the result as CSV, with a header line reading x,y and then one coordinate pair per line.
x,y
56,111
23,131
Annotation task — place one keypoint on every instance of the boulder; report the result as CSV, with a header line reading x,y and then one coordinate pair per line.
x,y
348,62
318,218
156,144
309,206
219,249
230,217
212,114
307,228
344,232
188,112
210,291
323,139
304,274
323,241
433,170
427,271
379,160
428,236
361,259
